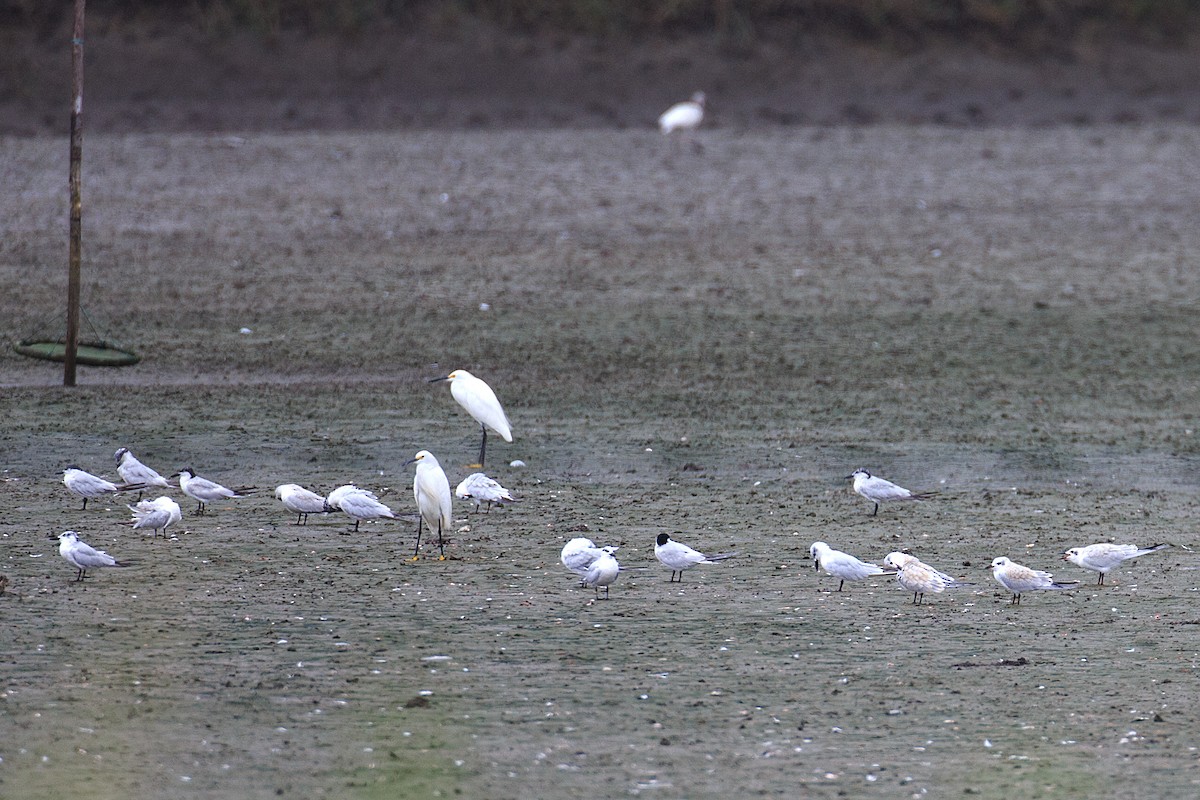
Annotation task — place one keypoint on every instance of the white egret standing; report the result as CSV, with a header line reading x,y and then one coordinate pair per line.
x,y
434,501
685,116
82,555
480,402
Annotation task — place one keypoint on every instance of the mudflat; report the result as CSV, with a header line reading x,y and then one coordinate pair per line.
x,y
693,337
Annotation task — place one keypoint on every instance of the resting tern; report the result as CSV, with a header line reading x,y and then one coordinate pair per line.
x,y
82,555
1104,556
202,490
578,554
89,486
1018,578
480,489
358,503
918,577
156,514
133,471
301,501
877,490
602,573
841,565
678,556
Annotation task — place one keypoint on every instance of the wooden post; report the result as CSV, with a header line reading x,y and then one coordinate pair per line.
x,y
73,266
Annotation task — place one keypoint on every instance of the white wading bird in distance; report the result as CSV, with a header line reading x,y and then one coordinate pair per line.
x,y
360,504
841,565
89,486
300,501
432,492
918,577
133,471
1018,578
685,116
602,572
480,402
480,489
1104,556
877,490
678,556
82,555
157,514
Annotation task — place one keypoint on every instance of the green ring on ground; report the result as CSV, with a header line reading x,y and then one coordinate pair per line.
x,y
95,354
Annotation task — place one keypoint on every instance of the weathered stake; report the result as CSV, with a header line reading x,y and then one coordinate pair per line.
x,y
73,265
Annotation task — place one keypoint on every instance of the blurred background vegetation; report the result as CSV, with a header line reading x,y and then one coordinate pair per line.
x,y
1004,20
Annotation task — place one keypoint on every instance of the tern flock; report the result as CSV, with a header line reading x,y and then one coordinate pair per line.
x,y
596,566
431,488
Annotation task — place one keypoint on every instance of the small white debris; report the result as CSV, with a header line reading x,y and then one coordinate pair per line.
x,y
517,463
245,331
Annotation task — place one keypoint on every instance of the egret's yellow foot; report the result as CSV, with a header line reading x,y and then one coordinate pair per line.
x,y
414,558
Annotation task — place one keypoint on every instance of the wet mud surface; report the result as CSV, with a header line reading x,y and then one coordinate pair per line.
x,y
694,340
